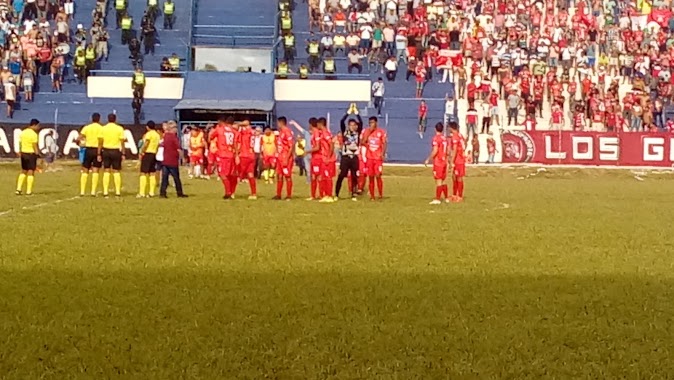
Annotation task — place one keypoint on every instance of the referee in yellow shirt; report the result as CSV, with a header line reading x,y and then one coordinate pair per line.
x,y
28,153
111,152
148,161
90,135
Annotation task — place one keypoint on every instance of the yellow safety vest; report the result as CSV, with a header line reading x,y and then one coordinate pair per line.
x,y
329,65
139,78
80,60
304,72
90,53
152,3
174,62
299,149
126,23
313,48
168,8
286,23
290,41
120,4
283,69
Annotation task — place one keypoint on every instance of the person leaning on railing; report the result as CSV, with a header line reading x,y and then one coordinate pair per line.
x,y
282,70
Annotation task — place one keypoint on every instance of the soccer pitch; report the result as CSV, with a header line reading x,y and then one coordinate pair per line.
x,y
568,274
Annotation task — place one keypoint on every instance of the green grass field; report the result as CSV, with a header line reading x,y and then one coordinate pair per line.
x,y
568,274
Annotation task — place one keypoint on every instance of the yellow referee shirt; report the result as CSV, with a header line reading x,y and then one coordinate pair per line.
x,y
27,140
113,136
91,133
152,138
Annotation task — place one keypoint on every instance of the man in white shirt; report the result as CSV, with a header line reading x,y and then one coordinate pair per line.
x,y
450,109
378,90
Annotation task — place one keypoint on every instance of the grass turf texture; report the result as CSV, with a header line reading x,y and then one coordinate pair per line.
x,y
572,280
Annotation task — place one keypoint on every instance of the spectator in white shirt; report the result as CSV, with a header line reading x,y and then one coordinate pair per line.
x,y
378,90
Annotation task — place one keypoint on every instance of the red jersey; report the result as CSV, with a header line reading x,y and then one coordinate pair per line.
x,y
246,143
557,116
285,142
491,146
423,110
327,151
316,136
376,139
459,147
225,137
440,142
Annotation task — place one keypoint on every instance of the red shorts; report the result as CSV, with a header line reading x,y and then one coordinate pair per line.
x,y
284,170
374,167
316,166
459,170
440,171
246,166
329,169
269,162
196,160
226,166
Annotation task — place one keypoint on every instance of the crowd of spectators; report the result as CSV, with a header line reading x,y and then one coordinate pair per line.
x,y
600,65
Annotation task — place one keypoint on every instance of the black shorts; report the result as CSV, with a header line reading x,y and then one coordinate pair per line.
x,y
91,159
28,161
148,164
112,159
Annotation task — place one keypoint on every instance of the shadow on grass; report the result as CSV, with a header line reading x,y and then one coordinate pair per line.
x,y
170,323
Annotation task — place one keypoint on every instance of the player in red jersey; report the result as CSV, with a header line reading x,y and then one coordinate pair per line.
x,y
329,164
225,136
439,155
247,157
375,141
457,162
285,147
316,162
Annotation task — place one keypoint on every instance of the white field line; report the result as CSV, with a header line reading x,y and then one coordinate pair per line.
x,y
39,205
664,169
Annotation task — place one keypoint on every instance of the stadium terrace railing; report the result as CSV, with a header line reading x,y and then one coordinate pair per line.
x,y
235,35
129,73
337,76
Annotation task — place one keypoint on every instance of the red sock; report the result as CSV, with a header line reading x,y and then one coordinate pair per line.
x,y
438,192
314,186
328,187
253,186
289,187
380,186
455,187
233,181
445,190
361,182
460,189
279,187
225,182
370,186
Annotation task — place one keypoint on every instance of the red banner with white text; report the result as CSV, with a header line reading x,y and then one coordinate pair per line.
x,y
588,148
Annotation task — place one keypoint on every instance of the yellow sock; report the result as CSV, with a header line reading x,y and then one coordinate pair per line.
x,y
94,183
19,182
106,183
29,184
153,184
143,185
118,182
265,174
83,182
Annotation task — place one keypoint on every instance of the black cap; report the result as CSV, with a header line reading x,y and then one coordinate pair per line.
x,y
34,122
151,124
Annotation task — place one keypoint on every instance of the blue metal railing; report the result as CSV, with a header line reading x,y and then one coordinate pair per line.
x,y
234,35
129,73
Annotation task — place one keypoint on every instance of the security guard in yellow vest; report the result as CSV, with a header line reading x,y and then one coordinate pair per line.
x,y
282,70
90,57
127,31
80,65
286,22
120,7
169,10
138,84
152,8
304,71
289,48
174,61
314,50
329,65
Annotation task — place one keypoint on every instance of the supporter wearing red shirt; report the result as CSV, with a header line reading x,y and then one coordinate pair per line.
x,y
375,141
285,144
439,155
471,90
225,137
247,157
420,74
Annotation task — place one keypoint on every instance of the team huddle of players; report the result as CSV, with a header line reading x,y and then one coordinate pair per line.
x,y
229,149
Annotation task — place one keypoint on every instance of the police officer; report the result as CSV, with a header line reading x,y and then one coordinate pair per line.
x,y
304,71
314,50
138,84
127,31
149,37
329,66
350,139
120,8
80,65
169,8
174,61
289,47
152,9
90,57
282,70
286,22
136,105
134,52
